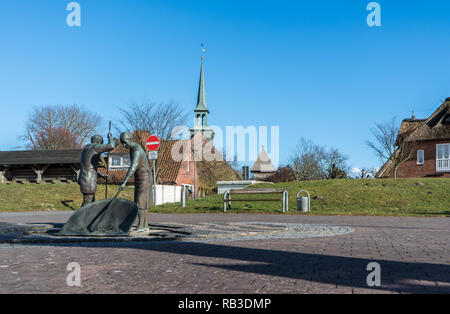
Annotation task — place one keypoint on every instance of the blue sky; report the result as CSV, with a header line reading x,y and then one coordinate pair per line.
x,y
313,68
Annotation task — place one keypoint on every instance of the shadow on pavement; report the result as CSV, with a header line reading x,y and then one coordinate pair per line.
x,y
404,277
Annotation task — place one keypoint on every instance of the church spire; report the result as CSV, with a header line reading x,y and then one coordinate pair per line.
x,y
201,111
201,98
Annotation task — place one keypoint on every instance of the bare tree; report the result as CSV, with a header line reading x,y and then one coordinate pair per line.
x,y
308,160
47,126
146,118
336,163
314,162
55,139
283,174
152,118
387,147
234,164
373,172
364,173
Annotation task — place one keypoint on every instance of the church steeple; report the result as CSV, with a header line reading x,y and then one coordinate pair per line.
x,y
201,98
201,111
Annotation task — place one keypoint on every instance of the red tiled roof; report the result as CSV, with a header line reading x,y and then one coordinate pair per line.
x,y
116,176
168,167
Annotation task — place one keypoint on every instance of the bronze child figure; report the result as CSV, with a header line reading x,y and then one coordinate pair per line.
x,y
90,158
140,168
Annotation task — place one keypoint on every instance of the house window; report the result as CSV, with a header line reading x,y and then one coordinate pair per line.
x,y
443,157
115,161
118,161
420,157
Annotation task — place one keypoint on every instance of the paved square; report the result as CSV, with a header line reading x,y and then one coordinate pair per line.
x,y
414,255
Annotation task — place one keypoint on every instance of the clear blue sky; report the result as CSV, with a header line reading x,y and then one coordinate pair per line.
x,y
314,68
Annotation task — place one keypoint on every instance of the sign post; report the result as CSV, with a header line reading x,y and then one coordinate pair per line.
x,y
152,144
107,165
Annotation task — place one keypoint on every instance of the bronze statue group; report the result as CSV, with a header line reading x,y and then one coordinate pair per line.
x,y
139,168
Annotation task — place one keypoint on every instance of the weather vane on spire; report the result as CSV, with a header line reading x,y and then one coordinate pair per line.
x,y
203,51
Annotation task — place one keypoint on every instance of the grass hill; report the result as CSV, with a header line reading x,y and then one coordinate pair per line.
x,y
401,197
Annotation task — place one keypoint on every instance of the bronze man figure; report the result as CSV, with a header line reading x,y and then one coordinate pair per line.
x,y
140,168
90,158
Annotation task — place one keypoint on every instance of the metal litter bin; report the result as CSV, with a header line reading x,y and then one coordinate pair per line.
x,y
303,202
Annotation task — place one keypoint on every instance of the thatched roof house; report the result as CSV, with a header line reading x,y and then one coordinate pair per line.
x,y
431,140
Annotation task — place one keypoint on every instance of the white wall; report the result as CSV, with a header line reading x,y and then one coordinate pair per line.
x,y
167,194
223,186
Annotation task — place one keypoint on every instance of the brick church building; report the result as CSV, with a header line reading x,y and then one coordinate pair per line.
x,y
431,141
176,164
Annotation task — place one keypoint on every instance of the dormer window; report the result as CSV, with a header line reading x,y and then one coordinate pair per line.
x,y
446,119
119,161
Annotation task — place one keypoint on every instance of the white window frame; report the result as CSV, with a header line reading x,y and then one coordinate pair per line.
x,y
122,163
421,153
442,164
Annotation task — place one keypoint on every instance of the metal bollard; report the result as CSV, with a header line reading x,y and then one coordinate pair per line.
x,y
183,196
304,203
226,201
285,201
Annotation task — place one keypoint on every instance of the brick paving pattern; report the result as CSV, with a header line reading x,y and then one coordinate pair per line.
x,y
414,255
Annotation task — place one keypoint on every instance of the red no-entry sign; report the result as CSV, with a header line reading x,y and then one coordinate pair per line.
x,y
152,143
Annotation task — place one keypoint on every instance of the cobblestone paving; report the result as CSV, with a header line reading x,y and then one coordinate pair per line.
x,y
223,231
414,255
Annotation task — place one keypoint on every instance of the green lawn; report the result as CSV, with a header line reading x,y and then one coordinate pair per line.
x,y
387,197
401,197
41,197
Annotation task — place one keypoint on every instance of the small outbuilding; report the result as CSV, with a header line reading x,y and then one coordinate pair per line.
x,y
39,165
263,167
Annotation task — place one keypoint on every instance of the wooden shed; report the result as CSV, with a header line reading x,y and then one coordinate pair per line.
x,y
39,165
